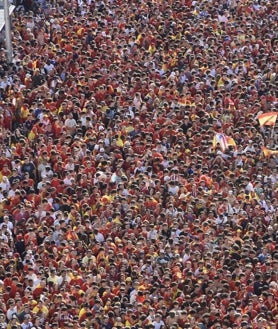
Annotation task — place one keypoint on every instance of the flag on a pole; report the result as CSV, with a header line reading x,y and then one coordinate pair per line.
x,y
267,152
230,141
268,119
223,140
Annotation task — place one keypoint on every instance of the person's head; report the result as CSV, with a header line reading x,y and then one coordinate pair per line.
x,y
27,318
2,317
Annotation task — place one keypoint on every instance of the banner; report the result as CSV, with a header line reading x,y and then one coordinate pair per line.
x,y
268,119
267,152
224,141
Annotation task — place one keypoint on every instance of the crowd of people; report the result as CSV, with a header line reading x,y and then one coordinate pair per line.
x,y
138,189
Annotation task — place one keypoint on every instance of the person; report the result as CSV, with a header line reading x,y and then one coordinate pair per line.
x,y
141,178
158,323
26,324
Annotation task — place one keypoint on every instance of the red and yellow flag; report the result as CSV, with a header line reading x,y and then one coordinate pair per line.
x,y
268,119
223,140
267,152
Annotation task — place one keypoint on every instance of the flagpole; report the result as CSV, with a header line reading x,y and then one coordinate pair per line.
x,y
8,31
272,132
272,135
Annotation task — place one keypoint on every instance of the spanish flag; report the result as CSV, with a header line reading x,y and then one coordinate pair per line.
x,y
268,119
223,140
267,152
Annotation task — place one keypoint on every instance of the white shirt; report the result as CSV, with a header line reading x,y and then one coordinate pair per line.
x,y
174,189
47,173
152,235
5,184
70,123
221,220
48,67
158,324
99,237
249,187
10,312
27,325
